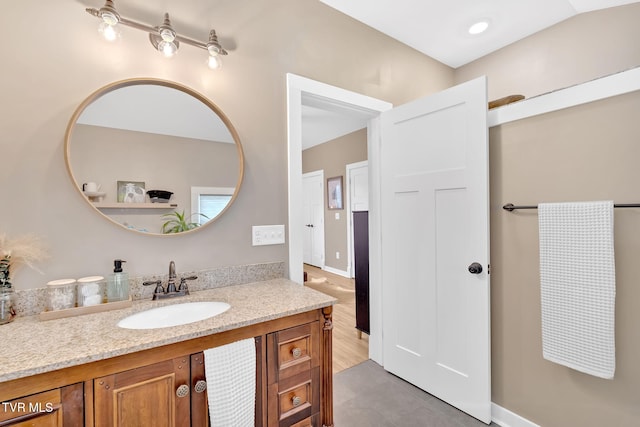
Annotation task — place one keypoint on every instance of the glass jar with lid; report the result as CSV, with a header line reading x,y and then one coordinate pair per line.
x,y
61,294
91,290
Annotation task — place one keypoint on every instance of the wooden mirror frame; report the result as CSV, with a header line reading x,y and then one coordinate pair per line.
x,y
158,82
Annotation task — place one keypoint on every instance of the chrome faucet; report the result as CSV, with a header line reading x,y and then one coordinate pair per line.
x,y
171,291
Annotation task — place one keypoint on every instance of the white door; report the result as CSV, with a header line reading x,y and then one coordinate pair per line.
x,y
435,224
313,219
358,174
357,200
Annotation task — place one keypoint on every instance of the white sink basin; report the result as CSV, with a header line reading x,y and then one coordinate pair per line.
x,y
173,315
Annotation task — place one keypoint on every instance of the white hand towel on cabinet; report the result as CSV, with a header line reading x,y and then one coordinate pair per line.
x,y
231,384
577,282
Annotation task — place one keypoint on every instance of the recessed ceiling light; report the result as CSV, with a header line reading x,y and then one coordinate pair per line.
x,y
479,27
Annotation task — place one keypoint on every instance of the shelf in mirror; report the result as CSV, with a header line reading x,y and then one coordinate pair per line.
x,y
100,205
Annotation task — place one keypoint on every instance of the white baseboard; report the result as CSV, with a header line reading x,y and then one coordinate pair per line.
x,y
505,418
336,271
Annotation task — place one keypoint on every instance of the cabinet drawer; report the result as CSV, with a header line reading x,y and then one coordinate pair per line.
x,y
295,399
59,407
293,351
307,422
38,409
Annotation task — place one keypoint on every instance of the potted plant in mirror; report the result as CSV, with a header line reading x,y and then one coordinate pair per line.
x,y
14,253
178,222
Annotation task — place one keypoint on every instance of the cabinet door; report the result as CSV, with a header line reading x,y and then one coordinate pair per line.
x,y
61,407
155,395
199,399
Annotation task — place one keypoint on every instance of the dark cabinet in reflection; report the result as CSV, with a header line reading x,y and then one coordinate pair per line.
x,y
361,265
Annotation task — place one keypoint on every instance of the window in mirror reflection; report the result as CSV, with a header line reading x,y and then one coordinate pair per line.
x,y
209,201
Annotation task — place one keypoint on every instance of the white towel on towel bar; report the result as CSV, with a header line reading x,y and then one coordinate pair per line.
x,y
231,383
577,282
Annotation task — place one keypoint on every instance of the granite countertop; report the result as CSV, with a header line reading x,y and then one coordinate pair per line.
x,y
31,346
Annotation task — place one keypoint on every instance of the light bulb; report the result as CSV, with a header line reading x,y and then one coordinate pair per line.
x,y
168,34
214,62
168,49
109,18
109,32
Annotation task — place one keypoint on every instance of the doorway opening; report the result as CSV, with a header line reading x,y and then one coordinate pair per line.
x,y
305,94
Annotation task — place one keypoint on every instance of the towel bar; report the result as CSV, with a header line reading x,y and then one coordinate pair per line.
x,y
511,207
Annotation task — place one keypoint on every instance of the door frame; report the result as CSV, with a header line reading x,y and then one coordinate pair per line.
x,y
349,213
335,98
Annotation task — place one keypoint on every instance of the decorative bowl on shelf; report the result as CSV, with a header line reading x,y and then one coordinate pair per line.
x,y
159,196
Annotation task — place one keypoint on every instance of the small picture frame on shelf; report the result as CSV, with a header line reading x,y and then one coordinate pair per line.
x,y
131,192
334,193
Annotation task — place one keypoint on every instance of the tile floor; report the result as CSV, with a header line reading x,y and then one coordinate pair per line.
x,y
368,396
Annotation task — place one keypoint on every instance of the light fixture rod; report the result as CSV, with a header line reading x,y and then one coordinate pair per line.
x,y
152,30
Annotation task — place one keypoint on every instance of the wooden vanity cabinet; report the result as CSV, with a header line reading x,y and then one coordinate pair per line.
x,y
61,407
165,386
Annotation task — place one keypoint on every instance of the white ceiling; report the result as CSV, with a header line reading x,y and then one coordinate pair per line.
x,y
439,28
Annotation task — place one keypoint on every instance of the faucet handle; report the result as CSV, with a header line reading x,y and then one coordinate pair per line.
x,y
159,289
183,283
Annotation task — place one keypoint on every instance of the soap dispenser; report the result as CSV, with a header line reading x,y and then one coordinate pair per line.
x,y
118,283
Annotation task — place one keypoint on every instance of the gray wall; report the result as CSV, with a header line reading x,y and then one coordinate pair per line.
x,y
333,157
583,153
43,83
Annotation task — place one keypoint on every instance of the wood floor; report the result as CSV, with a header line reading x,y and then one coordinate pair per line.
x,y
348,350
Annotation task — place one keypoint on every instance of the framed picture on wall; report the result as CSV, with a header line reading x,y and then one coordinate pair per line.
x,y
334,193
131,192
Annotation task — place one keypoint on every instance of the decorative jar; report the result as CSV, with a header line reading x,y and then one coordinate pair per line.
x,y
7,305
61,294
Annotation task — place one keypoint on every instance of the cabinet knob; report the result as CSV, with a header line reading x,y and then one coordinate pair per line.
x,y
296,352
296,401
200,386
182,391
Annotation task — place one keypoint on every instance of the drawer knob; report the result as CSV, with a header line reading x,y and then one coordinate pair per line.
x,y
182,391
296,352
296,401
200,386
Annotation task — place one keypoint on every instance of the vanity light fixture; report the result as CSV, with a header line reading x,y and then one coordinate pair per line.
x,y
163,37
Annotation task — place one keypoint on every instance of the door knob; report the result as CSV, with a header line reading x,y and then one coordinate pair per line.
x,y
475,268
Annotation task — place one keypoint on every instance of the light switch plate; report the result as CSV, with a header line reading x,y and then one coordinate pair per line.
x,y
267,235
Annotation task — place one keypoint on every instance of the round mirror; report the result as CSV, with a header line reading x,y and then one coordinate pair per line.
x,y
154,156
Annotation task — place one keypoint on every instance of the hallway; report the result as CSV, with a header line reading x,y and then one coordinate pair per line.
x,y
348,350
